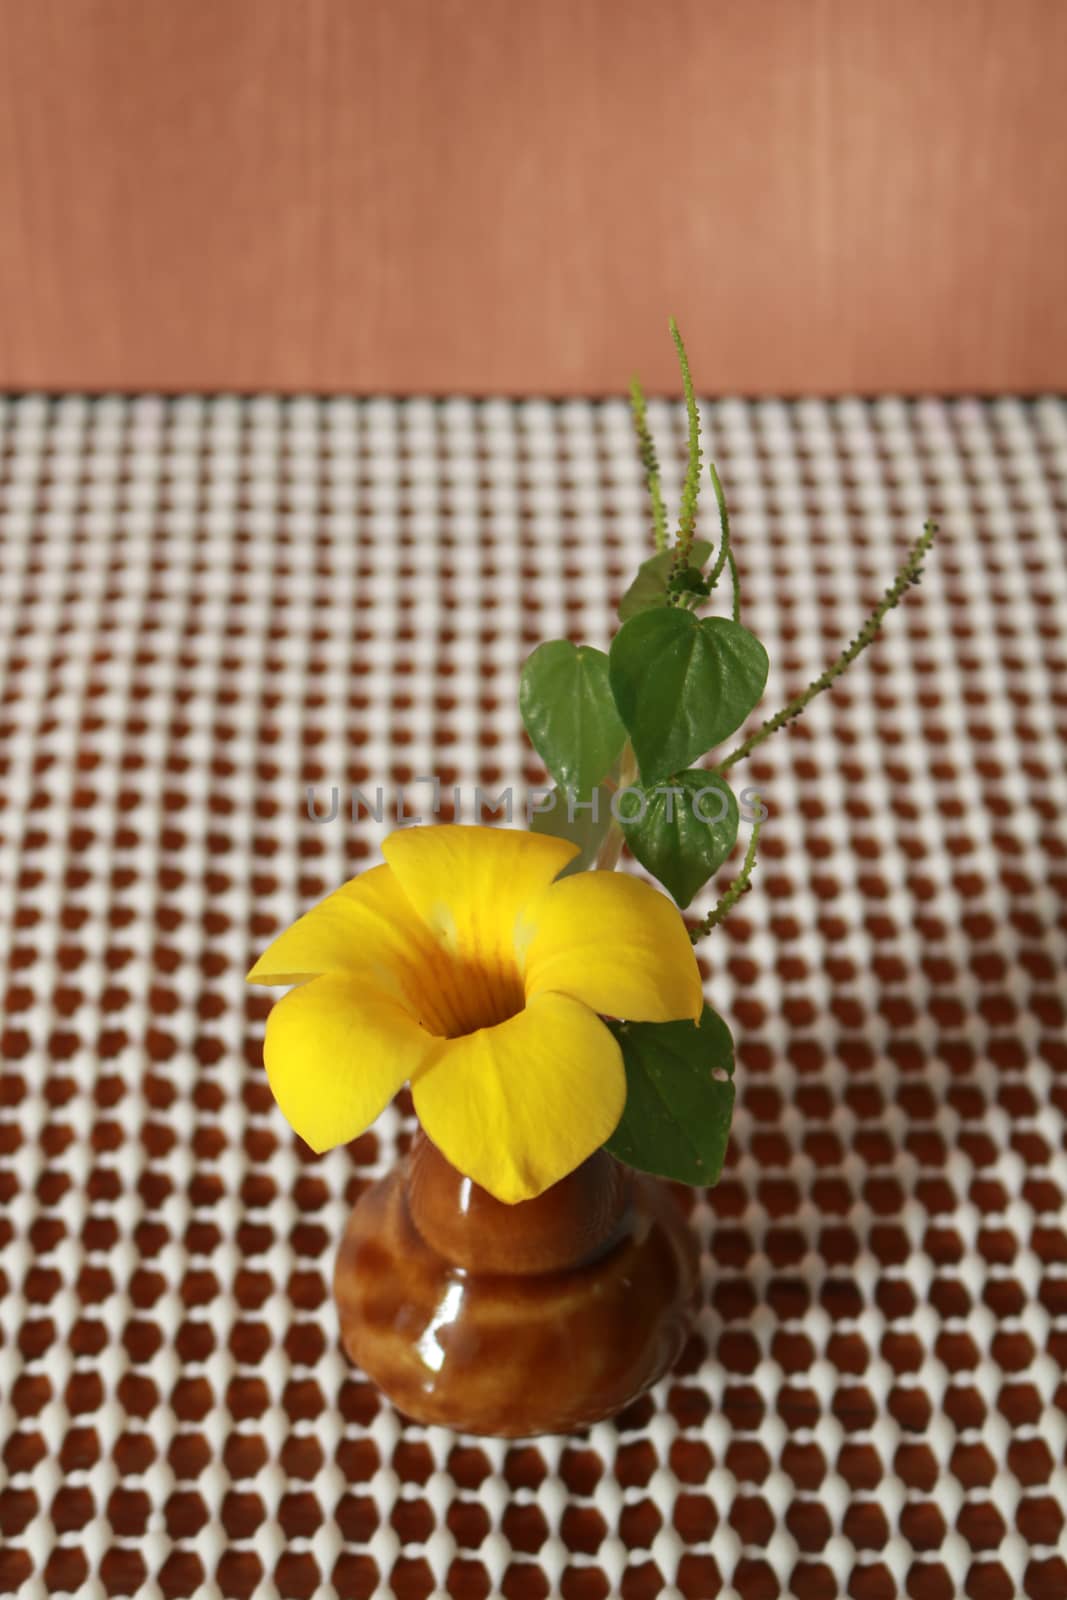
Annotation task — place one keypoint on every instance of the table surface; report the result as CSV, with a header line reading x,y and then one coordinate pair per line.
x,y
209,605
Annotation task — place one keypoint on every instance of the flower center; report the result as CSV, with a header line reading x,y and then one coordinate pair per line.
x,y
459,992
488,994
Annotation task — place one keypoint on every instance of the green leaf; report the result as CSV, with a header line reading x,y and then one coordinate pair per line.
x,y
683,684
576,823
679,1097
567,705
649,588
686,835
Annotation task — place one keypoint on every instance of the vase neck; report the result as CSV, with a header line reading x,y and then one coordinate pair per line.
x,y
569,1225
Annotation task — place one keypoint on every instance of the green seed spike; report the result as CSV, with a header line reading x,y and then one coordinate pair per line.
x,y
741,884
649,461
908,574
691,487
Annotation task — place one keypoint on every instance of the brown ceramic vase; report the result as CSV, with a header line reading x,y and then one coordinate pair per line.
x,y
541,1317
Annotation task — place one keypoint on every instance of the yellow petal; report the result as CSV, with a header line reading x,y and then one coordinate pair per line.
x,y
518,1106
616,944
470,886
336,1054
324,939
370,929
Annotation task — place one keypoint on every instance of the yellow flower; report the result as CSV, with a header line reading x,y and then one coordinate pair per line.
x,y
464,966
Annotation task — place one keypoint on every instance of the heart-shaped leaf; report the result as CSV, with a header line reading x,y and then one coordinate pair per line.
x,y
568,815
567,706
679,1097
649,588
682,684
685,832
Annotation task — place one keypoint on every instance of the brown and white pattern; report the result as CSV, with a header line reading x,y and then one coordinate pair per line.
x,y
208,605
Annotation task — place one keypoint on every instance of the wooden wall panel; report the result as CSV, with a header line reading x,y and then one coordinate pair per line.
x,y
493,196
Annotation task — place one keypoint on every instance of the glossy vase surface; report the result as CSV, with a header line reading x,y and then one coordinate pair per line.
x,y
540,1317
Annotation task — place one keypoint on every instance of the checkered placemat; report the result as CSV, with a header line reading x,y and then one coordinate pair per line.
x,y
209,606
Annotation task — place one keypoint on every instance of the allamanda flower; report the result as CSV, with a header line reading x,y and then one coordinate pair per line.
x,y
468,967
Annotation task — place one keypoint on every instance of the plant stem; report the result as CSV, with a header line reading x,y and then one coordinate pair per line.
x,y
909,573
726,903
735,580
726,550
724,523
649,461
611,849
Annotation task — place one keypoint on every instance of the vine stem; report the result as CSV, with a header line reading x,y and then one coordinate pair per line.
x,y
725,904
611,849
724,528
726,553
909,573
735,580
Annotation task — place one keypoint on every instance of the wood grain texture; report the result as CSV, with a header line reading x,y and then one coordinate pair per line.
x,y
442,195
